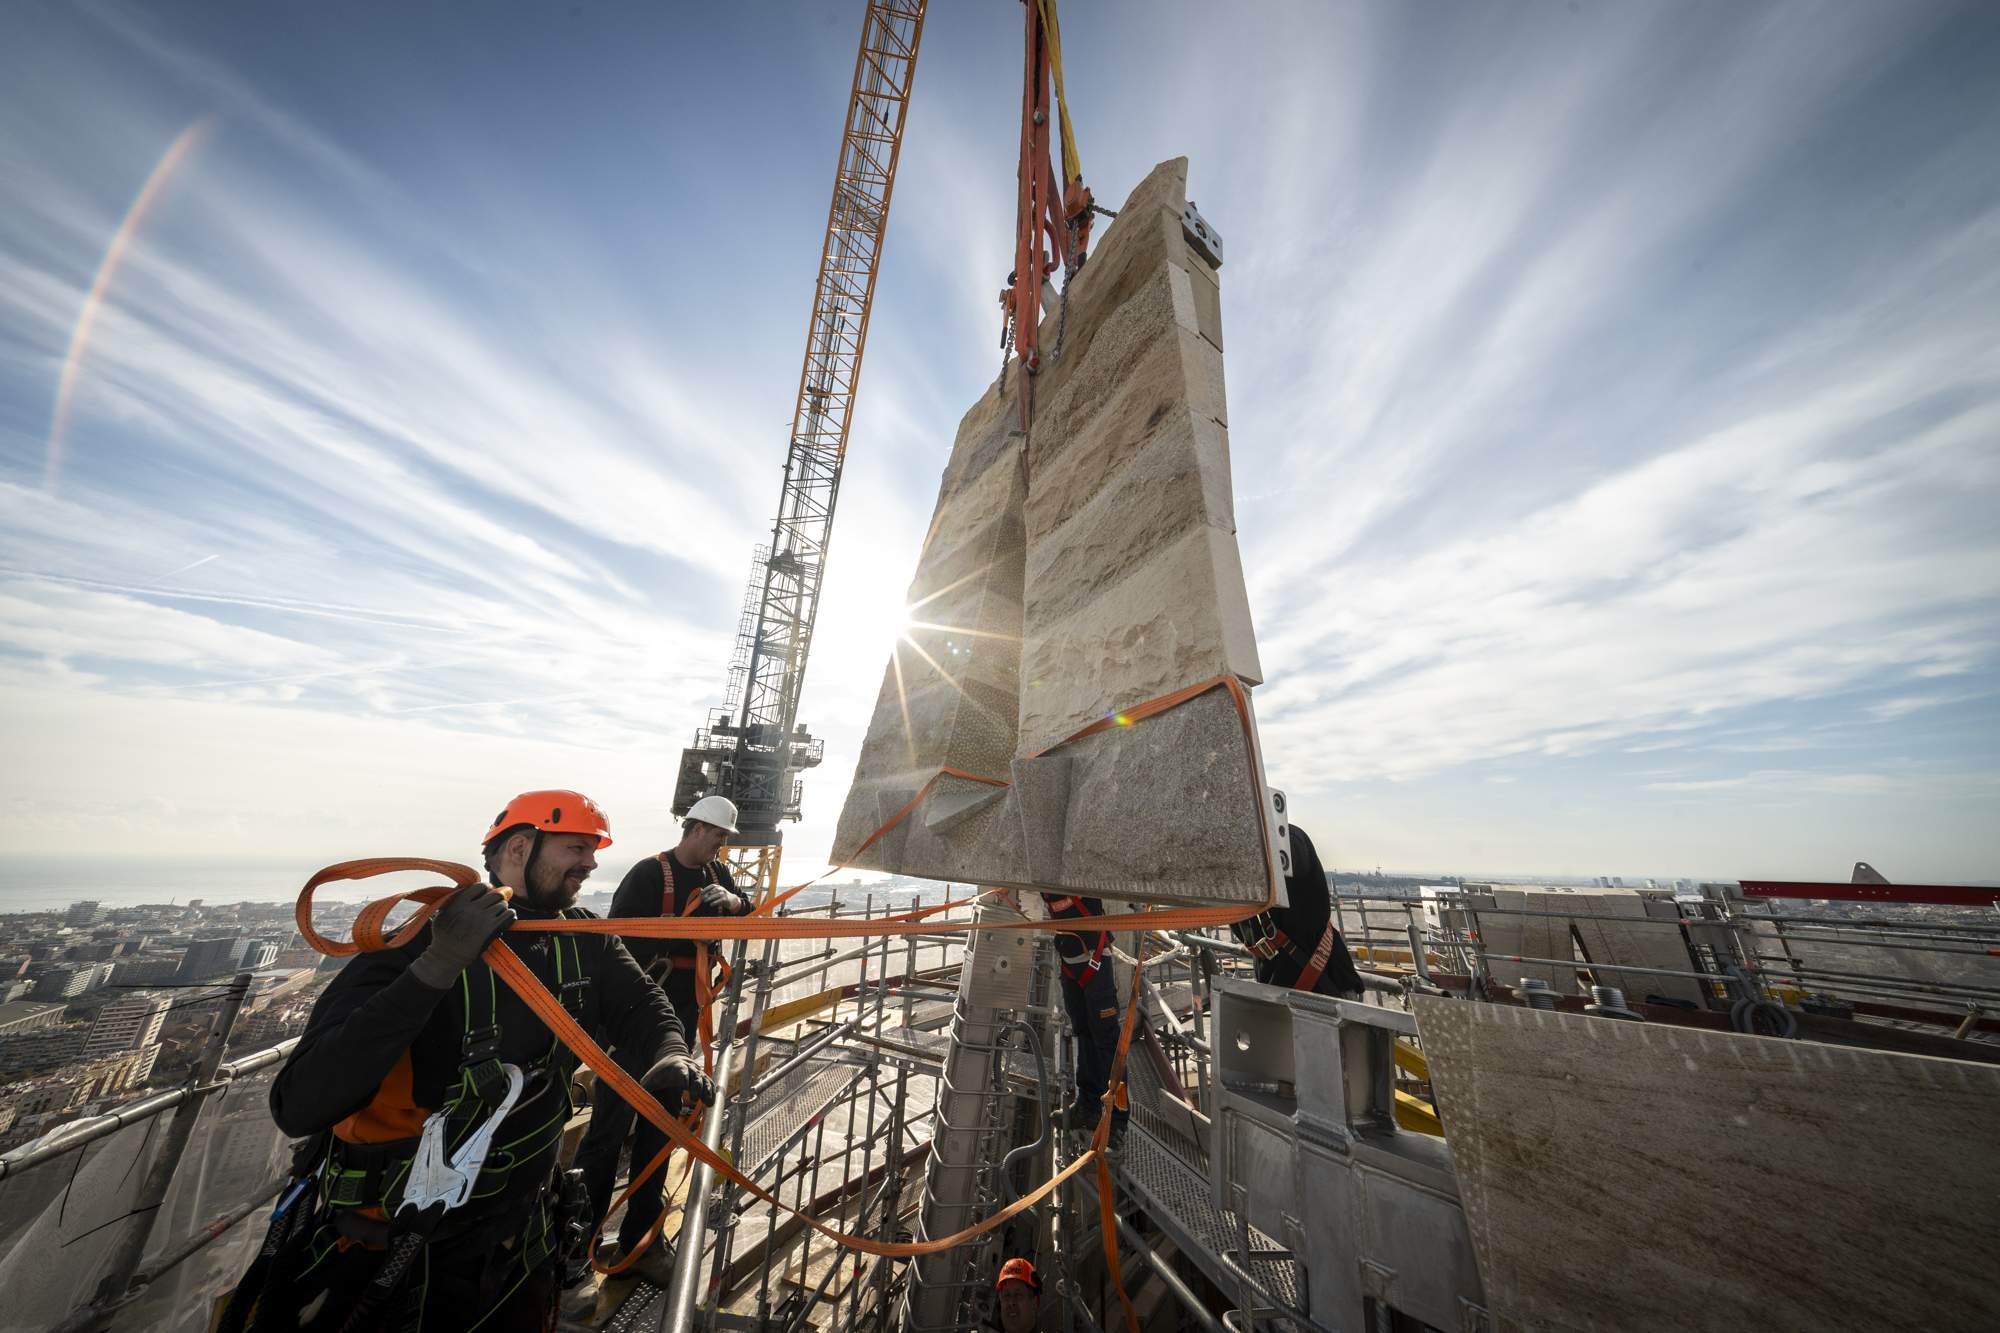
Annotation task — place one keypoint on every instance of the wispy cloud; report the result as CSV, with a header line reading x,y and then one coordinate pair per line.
x,y
1792,782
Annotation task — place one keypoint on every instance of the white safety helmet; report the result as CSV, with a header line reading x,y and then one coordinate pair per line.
x,y
717,810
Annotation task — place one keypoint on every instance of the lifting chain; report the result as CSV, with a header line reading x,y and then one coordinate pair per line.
x,y
1062,313
1071,266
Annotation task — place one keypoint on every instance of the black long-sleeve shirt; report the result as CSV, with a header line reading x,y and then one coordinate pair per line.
x,y
375,1010
1304,921
1074,946
643,892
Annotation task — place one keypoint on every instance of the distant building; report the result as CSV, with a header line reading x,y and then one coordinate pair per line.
x,y
258,955
146,971
26,1016
81,914
207,958
130,1024
97,951
45,1097
120,1071
40,1050
71,1087
69,981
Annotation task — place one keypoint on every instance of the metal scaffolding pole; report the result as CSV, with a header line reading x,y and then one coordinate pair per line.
x,y
677,1311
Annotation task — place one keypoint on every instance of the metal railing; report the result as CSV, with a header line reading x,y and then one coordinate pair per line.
x,y
122,1173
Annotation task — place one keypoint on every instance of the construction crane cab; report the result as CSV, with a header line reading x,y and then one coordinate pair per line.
x,y
752,749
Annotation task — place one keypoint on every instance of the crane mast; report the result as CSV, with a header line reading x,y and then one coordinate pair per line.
x,y
752,748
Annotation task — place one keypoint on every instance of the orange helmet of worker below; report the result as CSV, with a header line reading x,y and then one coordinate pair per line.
x,y
554,811
1017,1270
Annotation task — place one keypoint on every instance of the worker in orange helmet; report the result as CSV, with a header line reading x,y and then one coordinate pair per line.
x,y
416,1055
1018,1295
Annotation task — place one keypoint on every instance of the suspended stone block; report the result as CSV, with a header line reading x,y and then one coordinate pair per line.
x,y
1622,1175
1073,572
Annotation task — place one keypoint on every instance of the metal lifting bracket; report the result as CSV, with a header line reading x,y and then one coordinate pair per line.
x,y
1206,240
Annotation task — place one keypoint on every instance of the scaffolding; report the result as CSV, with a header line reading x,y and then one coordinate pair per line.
x,y
900,1087
827,1080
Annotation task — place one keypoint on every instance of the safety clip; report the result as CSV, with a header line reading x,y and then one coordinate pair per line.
x,y
435,1185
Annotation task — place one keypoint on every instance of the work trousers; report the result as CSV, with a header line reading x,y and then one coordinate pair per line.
x,y
611,1117
1094,1018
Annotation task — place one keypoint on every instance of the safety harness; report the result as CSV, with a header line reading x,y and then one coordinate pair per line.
x,y
369,1177
1091,960
1273,942
703,962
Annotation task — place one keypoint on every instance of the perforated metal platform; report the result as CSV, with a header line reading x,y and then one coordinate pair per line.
x,y
1179,1197
782,1116
639,1314
1165,1120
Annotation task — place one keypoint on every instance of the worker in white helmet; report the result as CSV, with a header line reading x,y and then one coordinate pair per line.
x,y
689,879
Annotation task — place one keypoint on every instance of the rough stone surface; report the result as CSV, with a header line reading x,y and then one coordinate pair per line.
x,y
1531,936
1084,567
1164,809
1625,1175
1122,650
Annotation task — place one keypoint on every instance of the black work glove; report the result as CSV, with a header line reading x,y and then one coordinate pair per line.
x,y
718,901
470,920
678,1083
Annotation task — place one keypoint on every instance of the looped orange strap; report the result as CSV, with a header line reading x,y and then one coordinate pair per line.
x,y
762,924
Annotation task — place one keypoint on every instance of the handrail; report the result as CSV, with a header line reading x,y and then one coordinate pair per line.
x,y
63,1139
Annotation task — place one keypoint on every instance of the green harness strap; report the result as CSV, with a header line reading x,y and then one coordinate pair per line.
x,y
365,1175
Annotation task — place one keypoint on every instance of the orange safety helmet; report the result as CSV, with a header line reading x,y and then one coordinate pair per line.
x,y
554,811
1017,1270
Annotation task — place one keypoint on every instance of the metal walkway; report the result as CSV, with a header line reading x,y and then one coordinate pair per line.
x,y
793,1111
1178,1196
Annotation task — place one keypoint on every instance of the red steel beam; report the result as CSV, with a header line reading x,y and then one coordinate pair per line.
x,y
1946,895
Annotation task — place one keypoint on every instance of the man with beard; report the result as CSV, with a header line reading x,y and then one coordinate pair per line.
x,y
420,1044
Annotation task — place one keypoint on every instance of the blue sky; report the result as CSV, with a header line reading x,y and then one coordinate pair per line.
x,y
1614,389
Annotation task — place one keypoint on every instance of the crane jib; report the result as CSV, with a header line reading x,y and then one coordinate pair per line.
x,y
752,747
